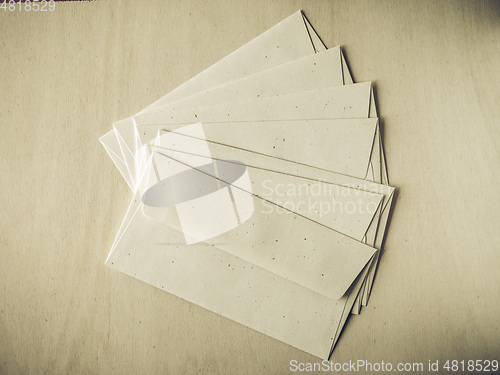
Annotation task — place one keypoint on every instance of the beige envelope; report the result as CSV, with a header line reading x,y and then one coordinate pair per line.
x,y
323,69
289,40
229,286
285,140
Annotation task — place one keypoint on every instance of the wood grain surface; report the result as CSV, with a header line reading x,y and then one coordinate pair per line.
x,y
66,75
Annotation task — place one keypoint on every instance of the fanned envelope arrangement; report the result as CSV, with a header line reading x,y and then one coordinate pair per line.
x,y
260,189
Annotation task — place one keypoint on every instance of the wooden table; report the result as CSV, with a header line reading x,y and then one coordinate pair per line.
x,y
67,74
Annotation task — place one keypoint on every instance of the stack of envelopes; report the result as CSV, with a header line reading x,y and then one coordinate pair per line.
x,y
260,189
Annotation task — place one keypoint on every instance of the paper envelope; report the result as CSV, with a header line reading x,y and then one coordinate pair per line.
x,y
338,145
289,40
229,286
112,147
254,148
323,69
279,256
285,139
278,237
349,101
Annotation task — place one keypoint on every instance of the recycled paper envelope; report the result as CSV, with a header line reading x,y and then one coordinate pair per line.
x,y
349,101
323,69
112,147
329,270
340,101
252,152
190,139
264,141
338,145
228,285
242,252
289,40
